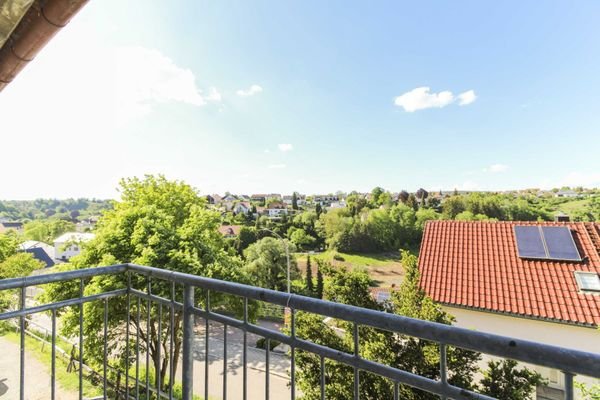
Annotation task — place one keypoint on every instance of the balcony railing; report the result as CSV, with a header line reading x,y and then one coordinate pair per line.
x,y
570,362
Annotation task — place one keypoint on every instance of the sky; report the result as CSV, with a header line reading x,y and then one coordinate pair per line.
x,y
308,96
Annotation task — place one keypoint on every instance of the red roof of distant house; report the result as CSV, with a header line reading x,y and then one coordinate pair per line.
x,y
230,230
476,265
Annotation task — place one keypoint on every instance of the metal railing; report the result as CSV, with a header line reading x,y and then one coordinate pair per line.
x,y
570,362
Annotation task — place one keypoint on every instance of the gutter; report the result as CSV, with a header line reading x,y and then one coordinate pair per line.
x,y
38,26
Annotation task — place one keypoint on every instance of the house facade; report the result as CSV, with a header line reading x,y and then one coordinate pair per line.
x,y
534,281
243,207
69,244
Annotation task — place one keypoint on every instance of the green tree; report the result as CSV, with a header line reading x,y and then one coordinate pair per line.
x,y
247,236
403,196
318,210
15,266
355,203
453,206
294,201
407,353
159,223
589,392
422,195
302,239
310,289
320,283
9,244
375,194
47,230
267,264
419,356
412,202
503,380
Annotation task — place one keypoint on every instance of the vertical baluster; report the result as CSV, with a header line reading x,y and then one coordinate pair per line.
x,y
137,350
81,341
322,378
188,342
105,363
569,395
22,345
396,391
245,352
356,372
171,332
293,355
267,368
127,335
157,368
53,358
224,361
443,369
206,348
148,306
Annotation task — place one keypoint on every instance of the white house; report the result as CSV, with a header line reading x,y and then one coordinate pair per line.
x,y
324,200
566,193
243,207
69,244
529,280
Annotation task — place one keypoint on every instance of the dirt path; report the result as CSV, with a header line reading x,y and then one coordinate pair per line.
x,y
37,376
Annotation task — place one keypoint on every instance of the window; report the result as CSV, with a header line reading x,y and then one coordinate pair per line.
x,y
588,281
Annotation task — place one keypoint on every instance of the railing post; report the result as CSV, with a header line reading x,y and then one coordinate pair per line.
x,y
569,392
188,342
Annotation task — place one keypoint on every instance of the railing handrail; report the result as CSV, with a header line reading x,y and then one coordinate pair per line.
x,y
567,360
561,358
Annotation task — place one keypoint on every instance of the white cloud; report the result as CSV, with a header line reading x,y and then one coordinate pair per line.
x,y
421,98
466,98
584,179
495,168
146,77
214,95
276,166
285,147
251,91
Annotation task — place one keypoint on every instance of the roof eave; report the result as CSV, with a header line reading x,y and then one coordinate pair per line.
x,y
37,27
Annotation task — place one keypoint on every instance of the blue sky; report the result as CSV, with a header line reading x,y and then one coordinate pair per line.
x,y
268,96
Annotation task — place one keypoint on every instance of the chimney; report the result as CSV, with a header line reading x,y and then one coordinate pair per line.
x,y
561,217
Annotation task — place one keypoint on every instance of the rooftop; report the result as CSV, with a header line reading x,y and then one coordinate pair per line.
x,y
477,265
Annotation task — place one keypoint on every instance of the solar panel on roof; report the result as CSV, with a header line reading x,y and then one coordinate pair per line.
x,y
560,244
529,242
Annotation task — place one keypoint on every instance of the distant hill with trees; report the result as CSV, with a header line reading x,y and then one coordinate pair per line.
x,y
68,209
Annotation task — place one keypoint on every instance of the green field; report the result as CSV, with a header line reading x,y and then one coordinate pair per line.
x,y
574,206
385,268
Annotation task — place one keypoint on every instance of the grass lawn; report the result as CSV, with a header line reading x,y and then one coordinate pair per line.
x,y
574,206
384,268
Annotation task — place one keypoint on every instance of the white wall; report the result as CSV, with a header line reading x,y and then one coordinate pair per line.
x,y
570,336
60,251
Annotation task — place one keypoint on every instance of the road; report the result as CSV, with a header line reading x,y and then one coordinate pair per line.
x,y
279,365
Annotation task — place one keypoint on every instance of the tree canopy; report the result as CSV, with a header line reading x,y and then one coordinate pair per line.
x,y
160,223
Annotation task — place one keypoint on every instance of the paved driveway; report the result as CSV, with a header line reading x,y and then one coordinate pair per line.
x,y
37,376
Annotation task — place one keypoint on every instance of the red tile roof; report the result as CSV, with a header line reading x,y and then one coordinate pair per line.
x,y
230,230
476,265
